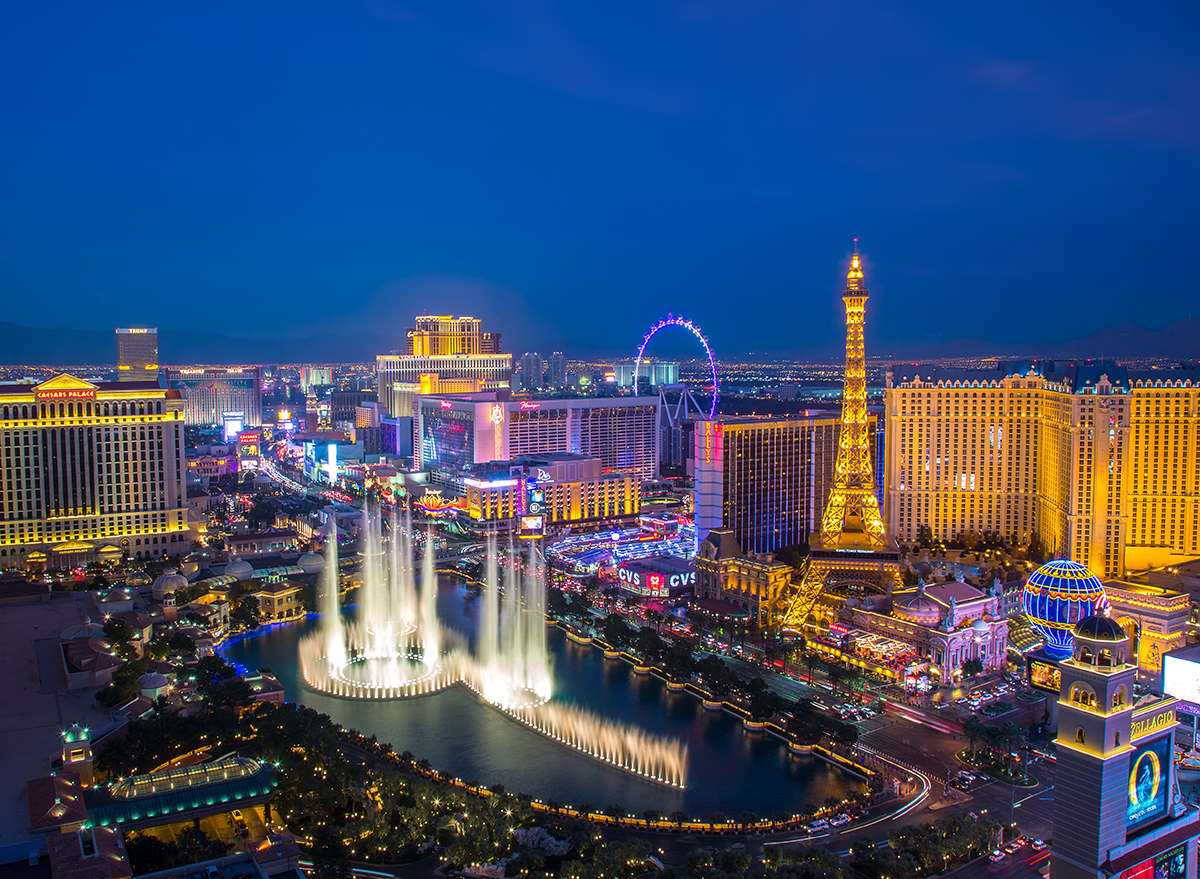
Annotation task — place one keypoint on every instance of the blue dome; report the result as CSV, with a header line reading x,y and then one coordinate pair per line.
x,y
1057,596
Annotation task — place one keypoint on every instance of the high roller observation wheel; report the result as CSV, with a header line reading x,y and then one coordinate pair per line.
x,y
672,321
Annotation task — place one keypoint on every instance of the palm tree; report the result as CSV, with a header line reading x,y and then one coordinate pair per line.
x,y
974,729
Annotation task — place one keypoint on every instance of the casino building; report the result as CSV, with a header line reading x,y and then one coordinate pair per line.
x,y
210,393
90,472
1096,458
1117,806
457,432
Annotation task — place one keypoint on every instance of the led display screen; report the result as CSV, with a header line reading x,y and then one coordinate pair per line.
x,y
1149,780
1181,679
1045,676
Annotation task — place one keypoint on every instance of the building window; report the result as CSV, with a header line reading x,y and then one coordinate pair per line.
x,y
1079,736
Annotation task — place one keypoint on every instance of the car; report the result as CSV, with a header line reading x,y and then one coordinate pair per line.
x,y
212,872
237,814
839,821
1019,843
819,824
996,857
1038,845
962,700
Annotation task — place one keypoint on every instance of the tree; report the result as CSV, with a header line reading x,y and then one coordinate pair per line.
x,y
331,859
261,514
246,612
972,667
196,845
617,632
149,854
974,729
678,817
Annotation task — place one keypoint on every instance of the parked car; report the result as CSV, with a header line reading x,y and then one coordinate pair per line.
x,y
996,856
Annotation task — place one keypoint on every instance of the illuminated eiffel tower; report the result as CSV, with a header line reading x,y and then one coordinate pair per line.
x,y
852,553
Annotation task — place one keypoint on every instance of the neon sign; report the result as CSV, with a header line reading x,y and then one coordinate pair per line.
x,y
67,394
446,404
529,404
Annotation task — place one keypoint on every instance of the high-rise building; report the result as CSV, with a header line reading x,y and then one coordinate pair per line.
x,y
137,354
448,348
209,392
456,433
315,376
1097,460
657,372
770,477
851,554
556,367
91,472
443,335
1117,811
531,371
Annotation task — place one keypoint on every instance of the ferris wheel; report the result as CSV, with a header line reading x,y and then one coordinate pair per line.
x,y
672,321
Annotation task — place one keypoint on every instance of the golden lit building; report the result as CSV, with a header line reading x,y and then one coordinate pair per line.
x,y
89,471
1100,462
757,584
577,493
1154,617
443,334
137,354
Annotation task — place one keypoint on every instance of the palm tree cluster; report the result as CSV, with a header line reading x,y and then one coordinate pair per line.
x,y
998,740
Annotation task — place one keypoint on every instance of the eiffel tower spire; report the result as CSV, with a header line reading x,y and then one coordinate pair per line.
x,y
852,518
851,553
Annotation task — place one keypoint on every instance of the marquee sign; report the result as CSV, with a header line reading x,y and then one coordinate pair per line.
x,y
66,394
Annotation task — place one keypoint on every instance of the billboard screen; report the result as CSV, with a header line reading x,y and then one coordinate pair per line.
x,y
1149,780
1045,676
1169,865
1181,679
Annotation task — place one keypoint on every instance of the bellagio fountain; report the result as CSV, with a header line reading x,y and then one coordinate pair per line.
x,y
398,649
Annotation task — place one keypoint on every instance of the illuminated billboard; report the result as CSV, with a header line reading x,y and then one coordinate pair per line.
x,y
1181,679
1169,865
1045,676
1149,781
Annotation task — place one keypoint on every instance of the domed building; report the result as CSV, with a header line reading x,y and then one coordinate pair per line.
x,y
1057,596
931,630
168,583
239,568
311,563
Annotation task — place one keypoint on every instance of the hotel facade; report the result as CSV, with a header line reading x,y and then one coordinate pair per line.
x,y
90,472
1102,462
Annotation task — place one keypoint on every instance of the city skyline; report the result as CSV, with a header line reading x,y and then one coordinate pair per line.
x,y
541,168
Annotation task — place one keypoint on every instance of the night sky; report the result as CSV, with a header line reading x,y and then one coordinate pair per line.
x,y
571,172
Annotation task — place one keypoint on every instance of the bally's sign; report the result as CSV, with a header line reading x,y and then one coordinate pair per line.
x,y
1153,723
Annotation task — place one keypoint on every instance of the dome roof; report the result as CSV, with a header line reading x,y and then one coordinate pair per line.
x,y
918,607
1057,595
239,568
1099,628
137,578
152,681
981,625
169,581
311,563
84,629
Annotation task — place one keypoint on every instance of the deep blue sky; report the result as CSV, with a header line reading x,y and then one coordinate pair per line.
x,y
571,172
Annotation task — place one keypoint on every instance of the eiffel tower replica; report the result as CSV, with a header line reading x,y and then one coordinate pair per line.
x,y
852,554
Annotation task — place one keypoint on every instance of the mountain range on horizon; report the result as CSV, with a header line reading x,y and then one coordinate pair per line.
x,y
20,345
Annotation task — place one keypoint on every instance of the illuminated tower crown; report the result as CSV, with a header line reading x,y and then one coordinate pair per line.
x,y
852,518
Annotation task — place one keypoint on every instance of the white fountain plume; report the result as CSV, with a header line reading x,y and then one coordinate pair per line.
x,y
489,619
537,667
398,649
331,605
377,610
428,626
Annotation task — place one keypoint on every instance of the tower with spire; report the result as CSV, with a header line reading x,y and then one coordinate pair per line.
x,y
852,549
